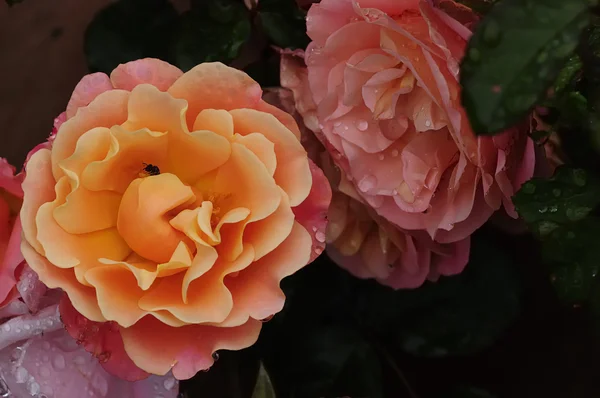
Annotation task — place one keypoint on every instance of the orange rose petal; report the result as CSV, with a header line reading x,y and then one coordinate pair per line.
x,y
187,221
285,118
141,220
118,293
39,189
256,291
213,85
166,295
106,110
205,258
88,88
75,216
230,231
293,173
148,70
150,108
66,250
189,348
190,156
125,159
87,211
246,180
82,297
265,235
261,147
215,120
144,272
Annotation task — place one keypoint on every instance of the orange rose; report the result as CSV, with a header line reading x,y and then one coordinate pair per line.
x,y
172,205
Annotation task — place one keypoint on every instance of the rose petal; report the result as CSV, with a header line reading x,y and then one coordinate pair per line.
x,y
153,71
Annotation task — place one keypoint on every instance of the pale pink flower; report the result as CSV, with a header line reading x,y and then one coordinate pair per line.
x,y
379,86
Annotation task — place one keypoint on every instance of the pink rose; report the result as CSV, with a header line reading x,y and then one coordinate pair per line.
x,y
381,92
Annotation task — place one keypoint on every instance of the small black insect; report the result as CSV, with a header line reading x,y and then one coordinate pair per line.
x,y
151,169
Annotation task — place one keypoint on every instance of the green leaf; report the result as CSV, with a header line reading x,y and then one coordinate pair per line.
x,y
454,316
514,55
559,211
264,387
128,30
283,22
546,204
214,30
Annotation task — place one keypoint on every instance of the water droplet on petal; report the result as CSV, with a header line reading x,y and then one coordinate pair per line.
x,y
362,125
59,362
169,383
20,374
428,123
6,327
320,236
381,156
27,326
267,319
337,124
100,384
394,152
367,183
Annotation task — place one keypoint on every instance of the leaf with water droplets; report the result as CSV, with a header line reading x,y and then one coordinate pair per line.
x,y
514,55
559,210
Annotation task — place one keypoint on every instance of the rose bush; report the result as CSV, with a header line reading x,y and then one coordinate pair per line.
x,y
168,207
380,89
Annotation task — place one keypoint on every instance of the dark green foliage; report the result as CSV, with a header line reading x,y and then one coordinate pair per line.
x,y
515,55
283,23
128,30
211,31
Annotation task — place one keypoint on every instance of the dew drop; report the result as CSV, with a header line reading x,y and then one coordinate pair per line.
x,y
169,383
21,375
59,362
528,188
337,124
543,210
34,388
6,327
394,152
545,227
474,55
100,384
320,236
79,360
367,183
556,192
362,125
428,123
381,156
579,177
27,326
215,356
492,33
578,213
267,319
